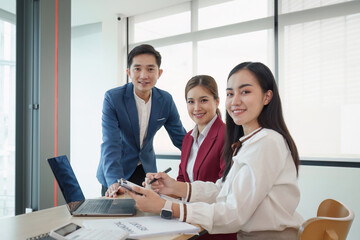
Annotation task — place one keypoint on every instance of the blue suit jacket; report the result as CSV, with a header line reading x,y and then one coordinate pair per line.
x,y
120,150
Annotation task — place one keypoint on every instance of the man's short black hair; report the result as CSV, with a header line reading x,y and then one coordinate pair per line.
x,y
144,49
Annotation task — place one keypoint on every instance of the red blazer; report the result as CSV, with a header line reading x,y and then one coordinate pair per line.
x,y
209,164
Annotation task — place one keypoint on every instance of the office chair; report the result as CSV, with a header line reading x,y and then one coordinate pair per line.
x,y
333,222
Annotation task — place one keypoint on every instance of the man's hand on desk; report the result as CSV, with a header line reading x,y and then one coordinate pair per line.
x,y
114,190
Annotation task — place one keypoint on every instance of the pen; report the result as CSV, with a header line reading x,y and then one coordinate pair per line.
x,y
155,179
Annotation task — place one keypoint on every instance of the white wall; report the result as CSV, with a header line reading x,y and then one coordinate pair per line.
x,y
87,91
319,183
97,60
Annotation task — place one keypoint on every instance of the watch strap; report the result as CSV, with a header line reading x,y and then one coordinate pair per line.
x,y
168,205
166,211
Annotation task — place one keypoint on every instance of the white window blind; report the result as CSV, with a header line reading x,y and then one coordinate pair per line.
x,y
319,79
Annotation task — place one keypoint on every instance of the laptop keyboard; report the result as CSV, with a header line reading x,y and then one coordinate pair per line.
x,y
96,206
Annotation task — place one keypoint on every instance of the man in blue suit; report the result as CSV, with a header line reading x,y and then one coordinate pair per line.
x,y
132,114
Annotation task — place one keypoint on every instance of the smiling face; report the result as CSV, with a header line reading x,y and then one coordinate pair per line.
x,y
201,106
245,99
144,73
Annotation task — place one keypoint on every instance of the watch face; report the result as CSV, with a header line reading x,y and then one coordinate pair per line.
x,y
166,214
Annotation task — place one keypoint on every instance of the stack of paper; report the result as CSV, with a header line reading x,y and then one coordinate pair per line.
x,y
143,226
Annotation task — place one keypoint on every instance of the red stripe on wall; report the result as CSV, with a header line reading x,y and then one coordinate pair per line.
x,y
56,91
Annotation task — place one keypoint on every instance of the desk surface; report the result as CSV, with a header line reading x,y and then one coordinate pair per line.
x,y
35,223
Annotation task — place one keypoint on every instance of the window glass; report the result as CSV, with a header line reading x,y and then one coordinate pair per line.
x,y
157,25
229,12
320,86
177,66
216,57
287,6
7,118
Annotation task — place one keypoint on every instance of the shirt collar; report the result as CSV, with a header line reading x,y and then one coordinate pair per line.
x,y
206,129
140,100
249,135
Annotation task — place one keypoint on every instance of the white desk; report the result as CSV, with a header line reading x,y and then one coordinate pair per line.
x,y
28,225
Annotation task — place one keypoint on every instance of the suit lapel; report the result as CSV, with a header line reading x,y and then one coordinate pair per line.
x,y
186,148
205,147
156,108
132,113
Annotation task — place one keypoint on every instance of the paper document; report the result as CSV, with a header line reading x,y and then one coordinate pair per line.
x,y
143,226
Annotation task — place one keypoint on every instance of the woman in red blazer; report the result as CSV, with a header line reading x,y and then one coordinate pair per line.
x,y
202,147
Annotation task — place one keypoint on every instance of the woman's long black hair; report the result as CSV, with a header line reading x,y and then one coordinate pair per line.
x,y
270,117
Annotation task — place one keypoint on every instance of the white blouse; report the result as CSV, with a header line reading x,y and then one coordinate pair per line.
x,y
260,192
196,145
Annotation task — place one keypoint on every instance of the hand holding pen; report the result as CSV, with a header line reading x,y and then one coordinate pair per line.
x,y
155,179
161,182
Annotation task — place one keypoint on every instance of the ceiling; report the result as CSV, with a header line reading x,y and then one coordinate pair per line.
x,y
91,11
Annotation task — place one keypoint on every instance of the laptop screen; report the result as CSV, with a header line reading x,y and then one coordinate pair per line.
x,y
67,181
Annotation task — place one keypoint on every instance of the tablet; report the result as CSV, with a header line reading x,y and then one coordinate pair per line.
x,y
128,185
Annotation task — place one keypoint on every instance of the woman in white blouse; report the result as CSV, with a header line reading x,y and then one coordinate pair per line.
x,y
258,194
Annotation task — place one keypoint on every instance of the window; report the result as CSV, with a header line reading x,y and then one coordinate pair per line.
x,y
217,62
319,51
219,39
163,23
319,79
228,12
7,118
287,6
177,66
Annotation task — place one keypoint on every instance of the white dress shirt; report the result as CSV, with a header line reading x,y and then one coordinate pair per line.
x,y
260,192
196,145
143,110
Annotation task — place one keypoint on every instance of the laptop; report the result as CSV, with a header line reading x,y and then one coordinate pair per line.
x,y
74,197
